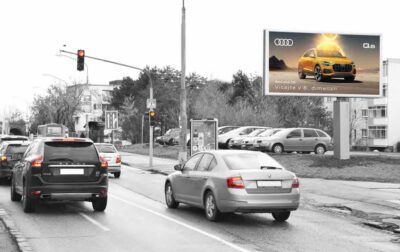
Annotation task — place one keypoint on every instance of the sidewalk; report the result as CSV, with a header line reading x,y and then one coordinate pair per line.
x,y
378,204
7,242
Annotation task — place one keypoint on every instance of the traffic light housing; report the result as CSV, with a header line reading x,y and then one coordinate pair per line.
x,y
152,118
81,60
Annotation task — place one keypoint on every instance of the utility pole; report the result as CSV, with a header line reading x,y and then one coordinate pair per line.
x,y
183,140
142,128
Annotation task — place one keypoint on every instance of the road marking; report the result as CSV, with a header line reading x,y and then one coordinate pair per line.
x,y
394,201
94,222
182,224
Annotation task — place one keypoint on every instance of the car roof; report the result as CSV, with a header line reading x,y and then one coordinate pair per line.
x,y
222,152
105,144
65,139
17,143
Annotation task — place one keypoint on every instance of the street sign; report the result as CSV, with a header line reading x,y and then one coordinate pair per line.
x,y
151,103
111,120
203,135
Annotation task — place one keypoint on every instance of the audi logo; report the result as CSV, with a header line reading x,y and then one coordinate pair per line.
x,y
283,42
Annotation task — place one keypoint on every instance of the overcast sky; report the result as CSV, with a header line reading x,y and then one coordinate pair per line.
x,y
223,36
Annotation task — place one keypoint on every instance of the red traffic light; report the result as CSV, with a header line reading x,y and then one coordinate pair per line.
x,y
81,53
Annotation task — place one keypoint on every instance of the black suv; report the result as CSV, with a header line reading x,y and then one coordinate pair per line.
x,y
10,153
60,169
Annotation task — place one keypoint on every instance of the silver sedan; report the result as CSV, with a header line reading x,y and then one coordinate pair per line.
x,y
226,181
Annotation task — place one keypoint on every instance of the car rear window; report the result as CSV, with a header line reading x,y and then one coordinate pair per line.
x,y
70,151
249,161
105,148
13,149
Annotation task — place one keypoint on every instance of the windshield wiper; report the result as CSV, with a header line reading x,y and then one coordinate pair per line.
x,y
270,168
61,159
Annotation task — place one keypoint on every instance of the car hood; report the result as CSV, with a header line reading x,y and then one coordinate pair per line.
x,y
335,60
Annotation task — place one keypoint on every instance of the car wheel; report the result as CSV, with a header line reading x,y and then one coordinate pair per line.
x,y
28,203
169,197
99,204
351,78
318,74
281,216
117,174
171,142
210,207
227,144
301,74
14,195
277,149
320,149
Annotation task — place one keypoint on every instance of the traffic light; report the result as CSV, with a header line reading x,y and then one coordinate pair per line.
x,y
152,115
81,60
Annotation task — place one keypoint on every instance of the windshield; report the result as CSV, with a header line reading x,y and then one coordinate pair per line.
x,y
325,53
106,148
74,151
13,149
225,130
256,132
249,161
269,132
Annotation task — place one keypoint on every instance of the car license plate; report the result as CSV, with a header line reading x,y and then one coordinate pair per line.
x,y
269,184
71,172
256,145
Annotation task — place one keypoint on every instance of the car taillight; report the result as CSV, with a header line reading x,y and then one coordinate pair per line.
x,y
295,183
103,163
118,159
235,182
3,158
37,162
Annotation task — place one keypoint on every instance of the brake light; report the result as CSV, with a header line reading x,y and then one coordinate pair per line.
x,y
295,183
235,182
37,162
3,158
103,163
118,161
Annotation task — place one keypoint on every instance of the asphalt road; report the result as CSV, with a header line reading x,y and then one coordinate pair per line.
x,y
289,82
137,219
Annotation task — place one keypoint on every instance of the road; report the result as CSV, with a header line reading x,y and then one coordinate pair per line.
x,y
137,219
289,82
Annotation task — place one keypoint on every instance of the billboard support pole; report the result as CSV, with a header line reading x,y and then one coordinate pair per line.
x,y
341,128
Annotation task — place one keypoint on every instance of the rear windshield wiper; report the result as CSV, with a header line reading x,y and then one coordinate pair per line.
x,y
61,159
270,168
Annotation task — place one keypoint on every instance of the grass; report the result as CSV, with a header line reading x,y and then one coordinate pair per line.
x,y
359,168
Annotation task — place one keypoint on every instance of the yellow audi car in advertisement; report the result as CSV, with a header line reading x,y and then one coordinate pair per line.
x,y
326,63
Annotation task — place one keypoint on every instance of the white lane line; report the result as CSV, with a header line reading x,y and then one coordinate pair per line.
x,y
394,201
94,222
182,224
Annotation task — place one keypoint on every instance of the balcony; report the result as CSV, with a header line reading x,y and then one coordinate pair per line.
x,y
378,143
377,121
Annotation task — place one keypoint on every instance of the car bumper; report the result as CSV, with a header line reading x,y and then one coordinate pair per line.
x,y
5,172
327,71
116,168
240,201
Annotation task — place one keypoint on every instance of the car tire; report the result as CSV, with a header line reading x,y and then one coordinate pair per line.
x,y
281,216
99,204
14,195
317,74
28,203
169,197
301,74
210,207
117,174
351,78
227,144
277,148
171,142
320,149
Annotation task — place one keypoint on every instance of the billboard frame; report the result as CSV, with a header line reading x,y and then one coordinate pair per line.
x,y
192,121
265,79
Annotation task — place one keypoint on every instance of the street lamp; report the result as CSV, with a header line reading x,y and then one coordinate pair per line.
x,y
55,77
86,65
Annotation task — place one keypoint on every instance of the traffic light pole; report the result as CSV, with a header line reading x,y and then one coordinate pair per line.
x,y
151,94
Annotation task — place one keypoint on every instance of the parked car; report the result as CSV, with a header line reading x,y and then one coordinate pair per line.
x,y
326,63
111,154
250,143
60,169
10,153
303,140
236,142
225,181
225,129
171,137
223,139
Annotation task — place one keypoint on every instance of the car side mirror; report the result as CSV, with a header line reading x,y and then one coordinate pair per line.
x,y
178,167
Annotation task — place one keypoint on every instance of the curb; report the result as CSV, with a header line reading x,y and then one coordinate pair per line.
x,y
20,240
149,169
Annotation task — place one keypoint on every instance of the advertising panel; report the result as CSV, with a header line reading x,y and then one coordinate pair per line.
x,y
203,135
321,64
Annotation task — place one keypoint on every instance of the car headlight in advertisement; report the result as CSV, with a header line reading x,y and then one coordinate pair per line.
x,y
327,63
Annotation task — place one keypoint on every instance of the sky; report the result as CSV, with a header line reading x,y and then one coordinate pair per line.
x,y
222,37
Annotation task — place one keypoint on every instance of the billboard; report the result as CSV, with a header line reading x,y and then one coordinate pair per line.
x,y
321,64
203,135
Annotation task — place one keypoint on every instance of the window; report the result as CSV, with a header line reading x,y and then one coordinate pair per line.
x,y
321,133
384,90
329,99
377,111
212,164
249,161
364,133
385,68
364,113
294,134
312,54
74,151
377,132
106,148
191,163
205,162
310,133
